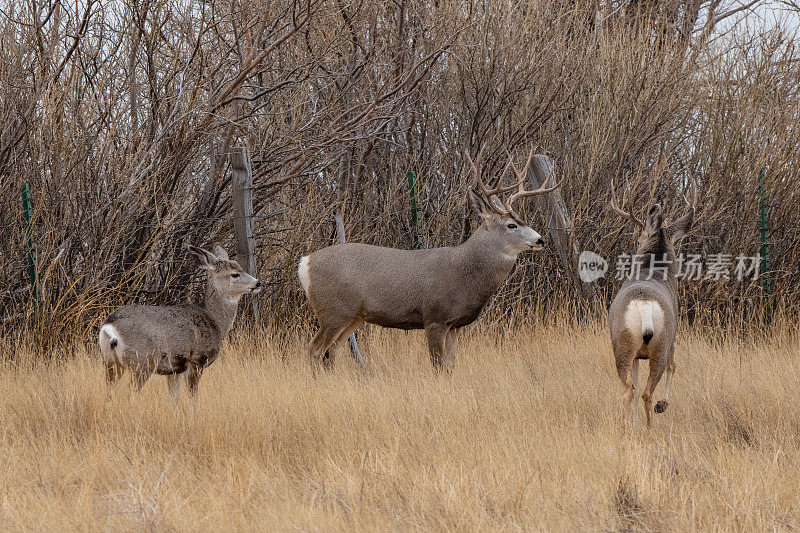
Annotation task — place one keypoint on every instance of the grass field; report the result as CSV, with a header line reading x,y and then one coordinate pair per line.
x,y
523,435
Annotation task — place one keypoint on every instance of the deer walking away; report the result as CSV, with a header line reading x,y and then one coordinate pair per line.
x,y
439,290
644,314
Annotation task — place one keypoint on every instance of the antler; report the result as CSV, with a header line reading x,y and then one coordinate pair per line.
x,y
692,206
622,213
521,192
499,189
492,195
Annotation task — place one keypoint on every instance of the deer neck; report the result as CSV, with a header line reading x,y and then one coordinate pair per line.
x,y
488,259
659,254
221,308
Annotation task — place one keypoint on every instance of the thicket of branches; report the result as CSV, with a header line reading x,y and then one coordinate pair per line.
x,y
120,115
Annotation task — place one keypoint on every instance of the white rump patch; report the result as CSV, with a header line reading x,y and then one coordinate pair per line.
x,y
108,333
644,316
302,273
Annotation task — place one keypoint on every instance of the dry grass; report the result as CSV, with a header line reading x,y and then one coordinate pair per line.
x,y
522,435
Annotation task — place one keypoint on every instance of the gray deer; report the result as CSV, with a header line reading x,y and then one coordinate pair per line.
x,y
644,314
177,339
439,290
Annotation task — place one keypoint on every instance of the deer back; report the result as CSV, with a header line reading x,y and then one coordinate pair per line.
x,y
403,288
187,330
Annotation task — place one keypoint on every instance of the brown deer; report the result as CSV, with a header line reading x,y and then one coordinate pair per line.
x,y
644,314
439,290
177,339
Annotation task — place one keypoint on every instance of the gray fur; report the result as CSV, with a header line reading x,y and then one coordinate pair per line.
x,y
439,290
630,344
178,339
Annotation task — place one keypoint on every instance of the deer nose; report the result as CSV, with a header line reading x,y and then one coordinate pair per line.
x,y
540,241
258,284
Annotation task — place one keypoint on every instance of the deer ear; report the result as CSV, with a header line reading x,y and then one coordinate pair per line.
x,y
654,218
220,252
679,228
207,259
478,204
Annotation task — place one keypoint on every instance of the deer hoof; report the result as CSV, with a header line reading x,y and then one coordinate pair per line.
x,y
661,406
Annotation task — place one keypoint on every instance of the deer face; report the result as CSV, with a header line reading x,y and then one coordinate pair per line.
x,y
231,279
500,218
517,235
227,277
507,228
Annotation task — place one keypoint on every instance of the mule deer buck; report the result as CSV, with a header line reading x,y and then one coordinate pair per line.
x,y
644,314
178,339
439,290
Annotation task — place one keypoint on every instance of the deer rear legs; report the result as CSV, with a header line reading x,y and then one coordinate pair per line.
x,y
139,375
626,375
438,346
174,386
450,347
628,372
330,354
322,348
661,405
631,384
656,371
114,371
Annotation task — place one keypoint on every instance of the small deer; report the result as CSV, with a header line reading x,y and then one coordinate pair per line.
x,y
177,339
439,290
644,314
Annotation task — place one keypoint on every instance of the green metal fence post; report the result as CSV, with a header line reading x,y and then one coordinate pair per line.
x,y
766,286
27,214
412,188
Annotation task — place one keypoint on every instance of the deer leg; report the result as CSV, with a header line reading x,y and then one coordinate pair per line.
x,y
656,370
451,341
635,373
321,343
627,396
661,405
114,371
174,385
628,372
328,358
437,338
140,374
193,374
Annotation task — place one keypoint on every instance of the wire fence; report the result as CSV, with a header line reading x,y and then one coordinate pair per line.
x,y
78,284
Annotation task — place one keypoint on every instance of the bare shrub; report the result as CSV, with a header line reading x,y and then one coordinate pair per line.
x,y
120,117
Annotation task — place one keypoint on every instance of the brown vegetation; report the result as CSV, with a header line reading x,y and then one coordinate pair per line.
x,y
523,435
120,116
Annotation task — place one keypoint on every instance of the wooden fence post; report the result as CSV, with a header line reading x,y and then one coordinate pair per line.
x,y
353,341
558,225
242,189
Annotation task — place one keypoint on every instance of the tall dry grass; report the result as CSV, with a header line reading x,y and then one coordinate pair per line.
x,y
522,435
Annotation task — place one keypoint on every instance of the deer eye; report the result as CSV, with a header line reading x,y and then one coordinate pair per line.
x,y
512,226
235,275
